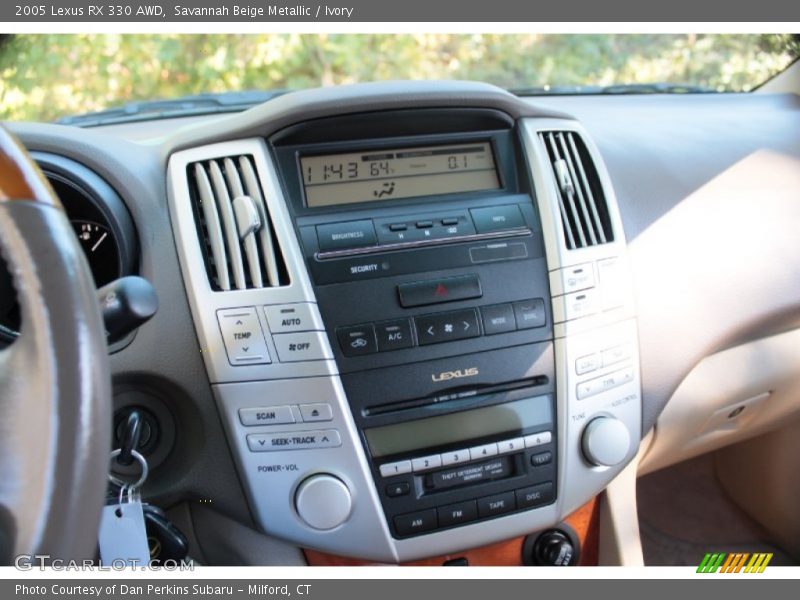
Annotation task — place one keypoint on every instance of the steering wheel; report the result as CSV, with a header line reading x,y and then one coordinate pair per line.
x,y
55,384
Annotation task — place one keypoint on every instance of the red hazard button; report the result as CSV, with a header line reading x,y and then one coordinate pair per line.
x,y
434,291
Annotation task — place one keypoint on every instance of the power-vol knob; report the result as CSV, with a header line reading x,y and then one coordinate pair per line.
x,y
323,501
606,441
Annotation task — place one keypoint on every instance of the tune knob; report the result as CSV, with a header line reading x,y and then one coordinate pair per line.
x,y
323,501
606,441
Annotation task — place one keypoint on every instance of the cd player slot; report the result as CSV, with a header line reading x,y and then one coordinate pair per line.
x,y
455,395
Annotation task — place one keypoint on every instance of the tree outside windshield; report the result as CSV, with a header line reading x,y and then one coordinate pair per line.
x,y
49,76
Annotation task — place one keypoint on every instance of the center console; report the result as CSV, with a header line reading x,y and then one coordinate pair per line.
x,y
417,324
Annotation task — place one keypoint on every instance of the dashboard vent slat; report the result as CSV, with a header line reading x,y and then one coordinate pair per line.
x,y
234,227
249,239
213,236
582,203
268,249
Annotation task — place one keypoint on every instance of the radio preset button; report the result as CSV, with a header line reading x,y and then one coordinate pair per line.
x,y
273,415
400,467
296,347
394,335
455,514
297,440
313,413
498,319
287,318
455,457
426,463
530,313
417,522
352,234
538,439
512,445
357,340
447,327
492,506
485,451
497,218
535,495
435,291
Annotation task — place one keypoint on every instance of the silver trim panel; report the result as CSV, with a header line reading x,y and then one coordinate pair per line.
x,y
205,301
586,330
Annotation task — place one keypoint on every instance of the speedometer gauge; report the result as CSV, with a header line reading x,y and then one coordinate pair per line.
x,y
100,220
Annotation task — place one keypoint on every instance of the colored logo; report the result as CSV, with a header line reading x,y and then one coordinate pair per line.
x,y
734,563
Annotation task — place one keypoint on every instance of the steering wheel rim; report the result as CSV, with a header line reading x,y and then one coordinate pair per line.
x,y
55,384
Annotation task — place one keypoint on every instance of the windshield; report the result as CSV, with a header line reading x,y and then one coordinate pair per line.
x,y
46,77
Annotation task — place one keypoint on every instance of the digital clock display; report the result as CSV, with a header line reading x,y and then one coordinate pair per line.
x,y
398,173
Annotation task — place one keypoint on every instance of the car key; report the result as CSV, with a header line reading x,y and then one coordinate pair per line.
x,y
165,540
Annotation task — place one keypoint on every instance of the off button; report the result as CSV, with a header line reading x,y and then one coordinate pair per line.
x,y
296,347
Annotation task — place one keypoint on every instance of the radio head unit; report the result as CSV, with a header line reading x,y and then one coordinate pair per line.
x,y
427,260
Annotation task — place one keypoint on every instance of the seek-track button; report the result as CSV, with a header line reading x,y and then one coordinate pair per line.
x,y
296,440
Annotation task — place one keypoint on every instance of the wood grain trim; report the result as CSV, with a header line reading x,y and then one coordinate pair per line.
x,y
585,521
20,178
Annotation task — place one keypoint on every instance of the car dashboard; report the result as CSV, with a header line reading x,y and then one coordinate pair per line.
x,y
402,320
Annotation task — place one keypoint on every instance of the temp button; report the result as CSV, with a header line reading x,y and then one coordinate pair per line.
x,y
242,335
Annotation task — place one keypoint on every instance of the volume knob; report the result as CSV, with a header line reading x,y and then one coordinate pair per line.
x,y
323,501
606,441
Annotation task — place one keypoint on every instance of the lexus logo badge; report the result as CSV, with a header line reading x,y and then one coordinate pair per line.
x,y
457,374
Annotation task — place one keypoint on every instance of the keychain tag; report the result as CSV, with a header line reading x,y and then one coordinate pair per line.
x,y
123,535
123,539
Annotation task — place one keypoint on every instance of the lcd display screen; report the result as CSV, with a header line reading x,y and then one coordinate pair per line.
x,y
455,427
398,173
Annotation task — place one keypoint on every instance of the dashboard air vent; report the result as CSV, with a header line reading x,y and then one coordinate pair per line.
x,y
235,230
584,212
